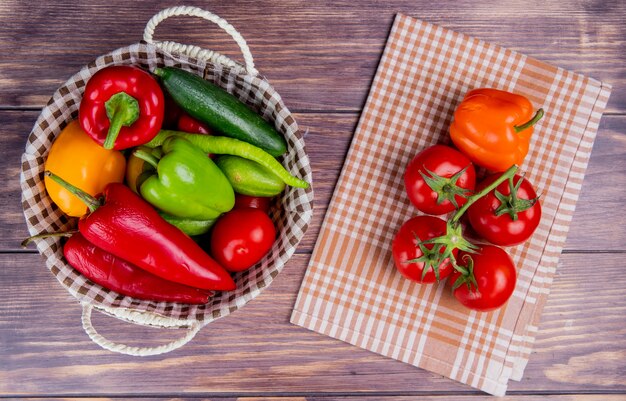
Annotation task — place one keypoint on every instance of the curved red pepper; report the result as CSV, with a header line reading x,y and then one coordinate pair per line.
x,y
118,275
122,107
187,123
122,223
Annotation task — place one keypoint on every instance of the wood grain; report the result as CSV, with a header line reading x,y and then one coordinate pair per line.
x,y
568,397
368,397
320,55
361,397
257,351
328,139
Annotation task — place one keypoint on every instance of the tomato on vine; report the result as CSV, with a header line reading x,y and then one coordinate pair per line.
x,y
425,247
507,215
488,281
419,262
439,179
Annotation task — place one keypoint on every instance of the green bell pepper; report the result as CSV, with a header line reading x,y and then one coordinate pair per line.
x,y
189,226
186,182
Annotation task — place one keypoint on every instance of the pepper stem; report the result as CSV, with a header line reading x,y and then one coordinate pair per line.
x,y
28,240
505,176
146,157
122,110
91,202
538,115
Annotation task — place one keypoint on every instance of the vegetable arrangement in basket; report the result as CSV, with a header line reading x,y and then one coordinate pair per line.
x,y
492,130
194,204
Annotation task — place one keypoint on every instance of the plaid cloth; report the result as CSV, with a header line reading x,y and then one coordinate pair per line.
x,y
352,291
291,213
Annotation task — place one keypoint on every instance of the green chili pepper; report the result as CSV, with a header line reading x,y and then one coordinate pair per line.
x,y
186,182
222,145
248,177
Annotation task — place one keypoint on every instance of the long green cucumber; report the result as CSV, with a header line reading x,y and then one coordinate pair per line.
x,y
220,110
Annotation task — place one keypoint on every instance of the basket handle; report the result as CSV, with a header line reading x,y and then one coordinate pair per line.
x,y
195,51
131,350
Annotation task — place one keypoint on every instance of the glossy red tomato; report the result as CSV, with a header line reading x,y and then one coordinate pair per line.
x,y
241,238
495,276
255,202
431,194
492,216
405,247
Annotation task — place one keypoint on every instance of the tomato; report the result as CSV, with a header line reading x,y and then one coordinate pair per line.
x,y
255,202
495,277
405,247
186,123
436,182
241,238
503,219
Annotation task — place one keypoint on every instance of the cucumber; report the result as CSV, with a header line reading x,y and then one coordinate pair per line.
x,y
220,110
250,178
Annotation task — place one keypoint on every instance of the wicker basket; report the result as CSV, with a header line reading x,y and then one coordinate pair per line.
x,y
291,214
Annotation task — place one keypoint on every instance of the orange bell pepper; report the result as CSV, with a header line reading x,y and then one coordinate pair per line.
x,y
85,164
493,128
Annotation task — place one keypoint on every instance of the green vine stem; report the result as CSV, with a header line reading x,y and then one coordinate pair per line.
x,y
508,174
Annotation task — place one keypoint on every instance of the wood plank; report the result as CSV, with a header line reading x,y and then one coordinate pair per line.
x,y
362,396
580,347
328,140
555,397
318,57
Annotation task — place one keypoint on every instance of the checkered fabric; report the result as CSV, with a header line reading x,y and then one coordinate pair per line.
x,y
353,292
291,213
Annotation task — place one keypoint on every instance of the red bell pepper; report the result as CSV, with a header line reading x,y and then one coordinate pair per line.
x,y
122,223
122,107
118,275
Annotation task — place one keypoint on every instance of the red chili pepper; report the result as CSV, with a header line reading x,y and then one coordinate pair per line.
x,y
171,113
118,275
122,100
186,123
122,223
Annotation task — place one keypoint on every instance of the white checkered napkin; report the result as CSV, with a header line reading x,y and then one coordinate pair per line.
x,y
353,292
291,214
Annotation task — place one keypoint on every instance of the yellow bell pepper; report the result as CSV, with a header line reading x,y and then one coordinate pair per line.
x,y
82,162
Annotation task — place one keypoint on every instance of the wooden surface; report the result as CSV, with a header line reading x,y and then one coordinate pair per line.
x,y
321,56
